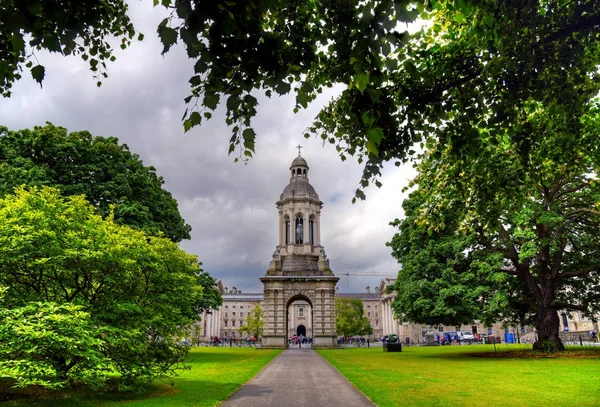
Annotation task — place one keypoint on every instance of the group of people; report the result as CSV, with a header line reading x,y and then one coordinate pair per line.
x,y
232,341
300,339
352,340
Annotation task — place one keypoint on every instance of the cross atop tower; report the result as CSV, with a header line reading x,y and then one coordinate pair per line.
x,y
299,147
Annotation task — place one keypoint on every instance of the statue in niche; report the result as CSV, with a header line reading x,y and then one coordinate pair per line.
x,y
299,231
276,254
323,255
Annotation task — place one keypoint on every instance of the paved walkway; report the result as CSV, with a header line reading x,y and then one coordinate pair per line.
x,y
298,378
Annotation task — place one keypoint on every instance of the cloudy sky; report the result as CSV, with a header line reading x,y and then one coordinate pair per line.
x,y
230,206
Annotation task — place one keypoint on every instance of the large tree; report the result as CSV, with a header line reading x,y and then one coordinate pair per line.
x,y
350,317
447,277
472,61
254,322
529,203
112,178
84,297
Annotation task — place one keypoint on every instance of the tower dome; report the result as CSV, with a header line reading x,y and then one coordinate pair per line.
x,y
299,187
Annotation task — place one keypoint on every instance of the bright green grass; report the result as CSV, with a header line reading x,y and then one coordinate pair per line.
x,y
445,376
216,373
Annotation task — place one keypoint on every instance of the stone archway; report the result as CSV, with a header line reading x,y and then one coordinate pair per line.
x,y
296,324
281,292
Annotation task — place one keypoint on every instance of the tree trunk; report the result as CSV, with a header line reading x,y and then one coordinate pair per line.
x,y
546,325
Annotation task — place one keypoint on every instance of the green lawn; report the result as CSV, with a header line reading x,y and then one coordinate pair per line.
x,y
216,373
446,376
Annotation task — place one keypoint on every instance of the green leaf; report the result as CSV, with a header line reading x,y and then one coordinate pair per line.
x,y
17,43
195,118
38,72
362,80
248,135
168,36
374,139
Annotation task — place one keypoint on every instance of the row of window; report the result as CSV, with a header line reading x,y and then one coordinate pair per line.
x,y
233,314
299,229
233,306
233,323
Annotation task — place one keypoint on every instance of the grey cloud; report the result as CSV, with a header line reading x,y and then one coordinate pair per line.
x,y
230,206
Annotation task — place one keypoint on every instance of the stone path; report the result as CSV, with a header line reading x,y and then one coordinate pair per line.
x,y
298,378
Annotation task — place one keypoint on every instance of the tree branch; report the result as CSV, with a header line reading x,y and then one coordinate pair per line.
x,y
579,273
581,25
575,307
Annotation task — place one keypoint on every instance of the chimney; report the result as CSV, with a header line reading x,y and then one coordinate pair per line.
x,y
368,290
337,289
233,290
226,290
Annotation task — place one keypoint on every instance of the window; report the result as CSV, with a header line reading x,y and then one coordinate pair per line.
x,y
368,306
233,306
441,328
301,311
369,313
299,229
233,314
375,306
376,323
377,314
226,306
225,315
565,322
241,314
225,322
287,230
311,227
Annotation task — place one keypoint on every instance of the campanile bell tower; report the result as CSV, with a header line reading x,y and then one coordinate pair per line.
x,y
299,269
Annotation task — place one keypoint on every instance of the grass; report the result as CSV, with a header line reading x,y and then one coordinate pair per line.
x,y
448,376
216,373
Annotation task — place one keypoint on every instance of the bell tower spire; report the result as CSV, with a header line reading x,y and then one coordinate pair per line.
x,y
299,269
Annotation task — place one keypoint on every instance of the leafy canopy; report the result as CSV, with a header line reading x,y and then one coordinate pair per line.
x,y
472,62
112,178
133,292
350,317
75,27
253,325
527,207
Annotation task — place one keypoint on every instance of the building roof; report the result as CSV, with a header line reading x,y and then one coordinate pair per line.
x,y
360,296
299,188
260,296
299,161
243,297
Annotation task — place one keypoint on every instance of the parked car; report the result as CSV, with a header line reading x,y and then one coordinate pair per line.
x,y
468,337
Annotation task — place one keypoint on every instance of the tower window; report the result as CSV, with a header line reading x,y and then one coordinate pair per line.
x,y
299,230
300,312
311,228
287,230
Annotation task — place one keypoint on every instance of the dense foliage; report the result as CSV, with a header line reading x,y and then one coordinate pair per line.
x,y
107,173
84,297
472,62
350,317
447,278
74,27
524,215
253,325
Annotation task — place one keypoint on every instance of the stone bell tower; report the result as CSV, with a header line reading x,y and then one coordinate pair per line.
x,y
299,269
